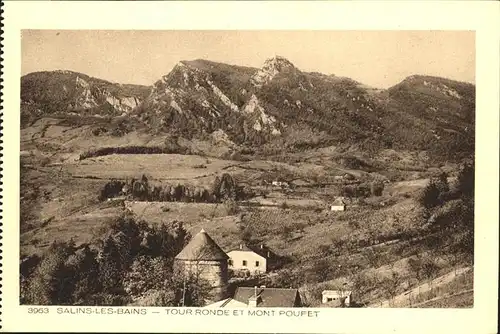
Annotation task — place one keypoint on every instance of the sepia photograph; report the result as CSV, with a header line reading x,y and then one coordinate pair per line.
x,y
247,169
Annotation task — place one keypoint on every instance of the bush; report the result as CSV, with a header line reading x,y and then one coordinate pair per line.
x,y
111,189
466,180
377,188
284,206
430,196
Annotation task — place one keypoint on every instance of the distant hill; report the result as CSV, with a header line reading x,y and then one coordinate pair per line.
x,y
67,92
275,107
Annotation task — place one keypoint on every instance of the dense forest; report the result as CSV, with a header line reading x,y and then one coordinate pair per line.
x,y
132,261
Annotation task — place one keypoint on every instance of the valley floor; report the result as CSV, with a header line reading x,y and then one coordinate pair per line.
x,y
365,246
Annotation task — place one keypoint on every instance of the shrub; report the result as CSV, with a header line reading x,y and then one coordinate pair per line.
x,y
111,189
430,196
465,180
377,188
284,206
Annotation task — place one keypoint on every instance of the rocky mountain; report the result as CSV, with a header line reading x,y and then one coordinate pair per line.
x,y
277,106
67,92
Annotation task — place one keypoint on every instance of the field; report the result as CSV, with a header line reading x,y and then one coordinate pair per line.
x,y
363,247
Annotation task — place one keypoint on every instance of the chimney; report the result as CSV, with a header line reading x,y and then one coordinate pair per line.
x,y
255,291
261,246
241,246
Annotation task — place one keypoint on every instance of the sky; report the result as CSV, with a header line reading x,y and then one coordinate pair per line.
x,y
376,58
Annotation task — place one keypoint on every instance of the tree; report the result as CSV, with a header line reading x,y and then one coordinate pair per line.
x,y
216,186
391,284
466,180
140,190
430,195
320,270
415,265
442,182
377,188
227,187
179,192
166,241
191,289
52,281
348,191
86,274
111,189
147,273
429,268
110,268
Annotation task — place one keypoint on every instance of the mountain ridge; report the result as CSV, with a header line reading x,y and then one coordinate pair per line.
x,y
266,106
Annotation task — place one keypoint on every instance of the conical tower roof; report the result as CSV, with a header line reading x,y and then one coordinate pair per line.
x,y
202,247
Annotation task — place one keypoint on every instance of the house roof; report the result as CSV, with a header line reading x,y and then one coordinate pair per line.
x,y
243,248
202,247
269,297
338,201
255,249
228,302
338,293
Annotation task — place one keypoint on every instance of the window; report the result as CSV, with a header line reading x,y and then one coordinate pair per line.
x,y
230,262
244,263
257,263
329,299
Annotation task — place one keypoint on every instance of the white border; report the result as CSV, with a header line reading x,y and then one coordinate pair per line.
x,y
421,15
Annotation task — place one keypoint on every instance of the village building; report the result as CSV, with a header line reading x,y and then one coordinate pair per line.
x,y
349,177
261,297
277,183
203,259
250,259
345,176
339,204
228,303
336,298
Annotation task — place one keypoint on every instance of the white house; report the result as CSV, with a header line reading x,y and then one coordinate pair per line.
x,y
248,259
344,297
277,183
338,205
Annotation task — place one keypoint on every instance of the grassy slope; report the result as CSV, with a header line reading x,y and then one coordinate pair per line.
x,y
307,236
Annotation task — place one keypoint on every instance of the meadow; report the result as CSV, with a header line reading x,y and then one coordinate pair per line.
x,y
370,246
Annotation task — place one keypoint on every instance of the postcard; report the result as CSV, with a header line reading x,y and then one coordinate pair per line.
x,y
250,167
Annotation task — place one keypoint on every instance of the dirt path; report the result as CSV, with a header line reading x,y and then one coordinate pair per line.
x,y
403,299
447,296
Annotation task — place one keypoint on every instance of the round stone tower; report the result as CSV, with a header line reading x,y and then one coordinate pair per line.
x,y
203,259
